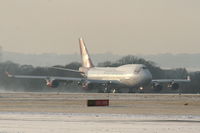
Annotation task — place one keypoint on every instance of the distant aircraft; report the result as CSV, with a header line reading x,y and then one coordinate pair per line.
x,y
108,79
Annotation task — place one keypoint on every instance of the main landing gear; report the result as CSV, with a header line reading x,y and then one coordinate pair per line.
x,y
107,88
134,90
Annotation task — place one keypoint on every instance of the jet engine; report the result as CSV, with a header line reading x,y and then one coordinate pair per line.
x,y
173,86
157,87
53,83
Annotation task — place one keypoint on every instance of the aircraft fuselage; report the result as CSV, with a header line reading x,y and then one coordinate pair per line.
x,y
133,75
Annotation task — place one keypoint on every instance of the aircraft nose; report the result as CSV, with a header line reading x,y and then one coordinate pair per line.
x,y
147,77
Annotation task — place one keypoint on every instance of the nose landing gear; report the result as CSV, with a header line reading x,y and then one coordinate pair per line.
x,y
141,90
136,90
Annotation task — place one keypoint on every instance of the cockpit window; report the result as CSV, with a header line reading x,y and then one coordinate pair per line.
x,y
144,67
137,70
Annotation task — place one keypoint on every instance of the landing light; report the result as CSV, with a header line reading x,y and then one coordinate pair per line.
x,y
141,88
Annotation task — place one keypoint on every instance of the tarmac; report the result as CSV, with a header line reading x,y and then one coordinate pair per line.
x,y
68,112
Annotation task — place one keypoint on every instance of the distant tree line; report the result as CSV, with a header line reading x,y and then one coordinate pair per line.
x,y
11,84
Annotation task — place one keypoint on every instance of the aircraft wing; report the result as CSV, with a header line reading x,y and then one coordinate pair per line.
x,y
65,69
171,80
62,78
43,77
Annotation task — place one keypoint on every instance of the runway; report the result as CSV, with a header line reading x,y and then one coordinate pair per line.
x,y
96,123
67,112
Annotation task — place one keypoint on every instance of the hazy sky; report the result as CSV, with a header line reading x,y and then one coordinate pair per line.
x,y
117,26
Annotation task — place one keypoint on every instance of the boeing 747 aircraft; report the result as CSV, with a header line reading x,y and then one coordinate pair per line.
x,y
108,79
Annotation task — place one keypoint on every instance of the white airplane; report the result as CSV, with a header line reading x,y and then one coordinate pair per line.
x,y
108,79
